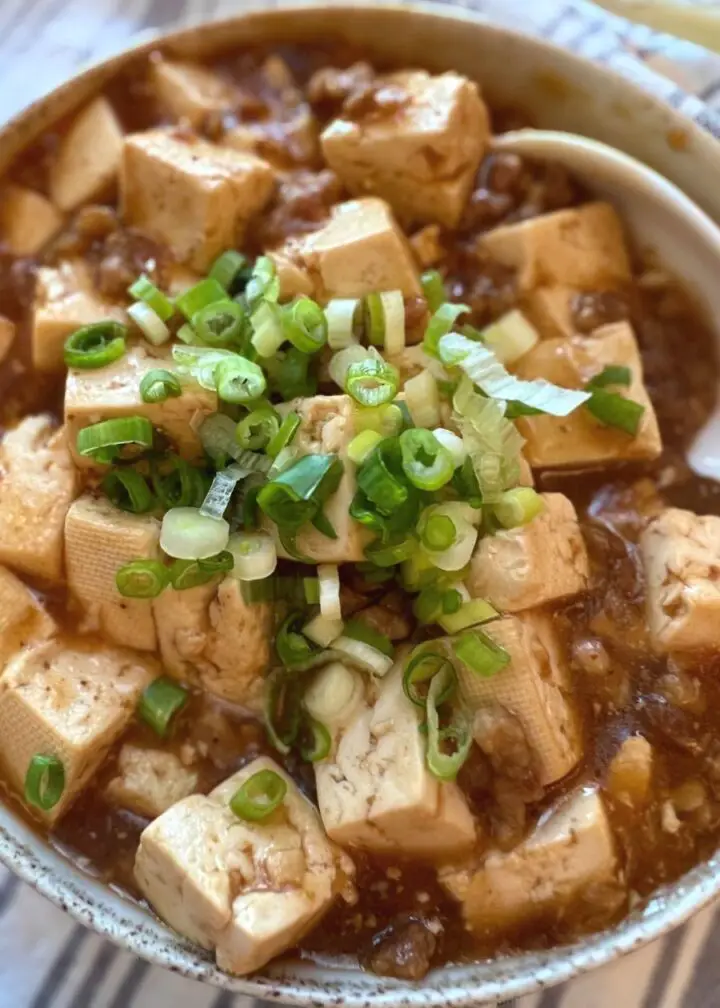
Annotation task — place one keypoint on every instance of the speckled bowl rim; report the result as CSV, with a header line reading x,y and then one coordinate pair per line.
x,y
319,984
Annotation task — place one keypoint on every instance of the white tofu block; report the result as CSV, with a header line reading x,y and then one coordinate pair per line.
x,y
149,781
549,310
326,427
85,165
23,619
247,890
579,440
293,279
99,540
535,686
534,564
422,157
188,91
114,391
28,220
70,700
37,486
376,793
681,555
570,854
360,249
211,637
583,247
191,195
64,301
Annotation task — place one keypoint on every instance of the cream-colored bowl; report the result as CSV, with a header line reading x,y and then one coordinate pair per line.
x,y
561,92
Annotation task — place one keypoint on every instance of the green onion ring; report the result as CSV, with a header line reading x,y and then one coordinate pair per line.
x,y
142,579
44,782
421,667
160,702
259,796
372,381
314,740
128,490
96,345
304,325
158,385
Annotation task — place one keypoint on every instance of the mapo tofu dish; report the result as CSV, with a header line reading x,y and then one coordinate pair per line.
x,y
356,596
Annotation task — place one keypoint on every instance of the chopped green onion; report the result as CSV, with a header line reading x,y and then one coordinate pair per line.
x,y
433,288
424,460
441,323
358,629
160,702
188,535
511,337
341,315
199,296
220,324
518,507
186,334
177,484
362,446
295,496
103,441
311,590
263,284
238,380
292,647
386,419
463,518
613,374
422,400
44,782
186,574
150,325
469,614
393,306
292,374
314,740
257,429
284,435
96,345
329,591
614,410
200,362
142,579
259,796
227,269
322,631
145,290
427,607
217,434
282,709
389,554
128,491
221,490
418,572
254,554
374,319
438,532
268,334
422,666
487,433
158,385
304,325
341,361
457,734
372,381
480,654
452,444
451,601
382,478
366,657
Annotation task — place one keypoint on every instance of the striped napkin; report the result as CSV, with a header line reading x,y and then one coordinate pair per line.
x,y
48,961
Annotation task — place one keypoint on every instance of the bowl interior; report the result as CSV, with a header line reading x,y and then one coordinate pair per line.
x,y
560,91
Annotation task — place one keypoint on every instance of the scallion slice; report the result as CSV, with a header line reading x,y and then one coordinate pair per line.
x,y
263,284
372,381
158,385
341,316
449,746
103,441
268,333
358,629
257,429
220,324
142,579
186,574
188,535
304,325
295,496
374,319
422,399
613,374
255,555
239,380
293,648
393,307
511,337
314,741
441,323
480,654
200,295
218,436
518,507
387,554
160,702
44,781
382,479
151,325
452,444
422,665
96,345
469,614
221,490
322,631
128,490
363,445
426,464
614,410
259,796
386,420
329,581
227,269
177,483
145,290
341,361
434,289
282,709
438,532
364,656
458,554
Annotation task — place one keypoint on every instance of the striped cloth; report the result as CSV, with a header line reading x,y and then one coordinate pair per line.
x,y
46,960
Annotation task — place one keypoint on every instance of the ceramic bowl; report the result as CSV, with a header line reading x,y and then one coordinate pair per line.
x,y
560,91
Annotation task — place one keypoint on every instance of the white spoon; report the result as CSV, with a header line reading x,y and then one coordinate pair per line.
x,y
660,217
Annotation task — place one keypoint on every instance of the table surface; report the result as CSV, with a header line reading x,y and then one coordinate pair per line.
x,y
47,961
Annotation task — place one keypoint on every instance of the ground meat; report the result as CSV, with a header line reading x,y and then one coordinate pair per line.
x,y
17,285
329,88
403,950
416,319
387,622
125,255
351,601
301,205
489,288
597,308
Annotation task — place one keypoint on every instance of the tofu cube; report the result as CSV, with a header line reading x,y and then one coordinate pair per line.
x,y
247,890
38,482
86,163
293,279
582,247
567,860
27,219
376,793
114,391
191,195
211,637
534,564
535,686
579,440
549,310
422,155
64,301
70,700
360,249
23,619
149,781
188,91
99,540
681,556
326,427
